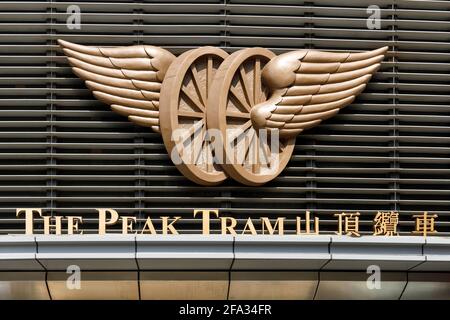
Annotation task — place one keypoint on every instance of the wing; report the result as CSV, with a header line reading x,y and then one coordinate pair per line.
x,y
126,78
310,86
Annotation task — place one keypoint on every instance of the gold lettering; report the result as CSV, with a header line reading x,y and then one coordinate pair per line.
x,y
249,227
102,222
351,223
48,226
385,224
127,224
29,217
228,228
266,224
307,224
72,224
169,226
206,219
424,223
149,225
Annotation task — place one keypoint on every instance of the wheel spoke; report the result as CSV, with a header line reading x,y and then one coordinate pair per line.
x,y
209,75
238,98
196,81
197,125
242,147
208,157
190,114
249,150
198,149
236,133
245,85
190,96
266,151
257,82
256,163
234,114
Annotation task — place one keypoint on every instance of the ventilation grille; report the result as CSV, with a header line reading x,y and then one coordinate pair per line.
x,y
65,152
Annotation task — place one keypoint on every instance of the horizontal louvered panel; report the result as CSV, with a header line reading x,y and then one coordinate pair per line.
x,y
63,151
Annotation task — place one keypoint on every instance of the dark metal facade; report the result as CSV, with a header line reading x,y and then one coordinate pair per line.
x,y
65,152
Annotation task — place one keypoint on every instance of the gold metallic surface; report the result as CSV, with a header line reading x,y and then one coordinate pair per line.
x,y
190,285
310,86
127,78
427,286
354,286
23,286
236,89
95,286
249,285
184,95
205,89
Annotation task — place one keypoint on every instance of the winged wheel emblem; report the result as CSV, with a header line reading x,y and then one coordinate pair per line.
x,y
224,115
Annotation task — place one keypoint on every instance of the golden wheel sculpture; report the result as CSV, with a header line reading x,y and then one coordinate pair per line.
x,y
183,105
250,155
